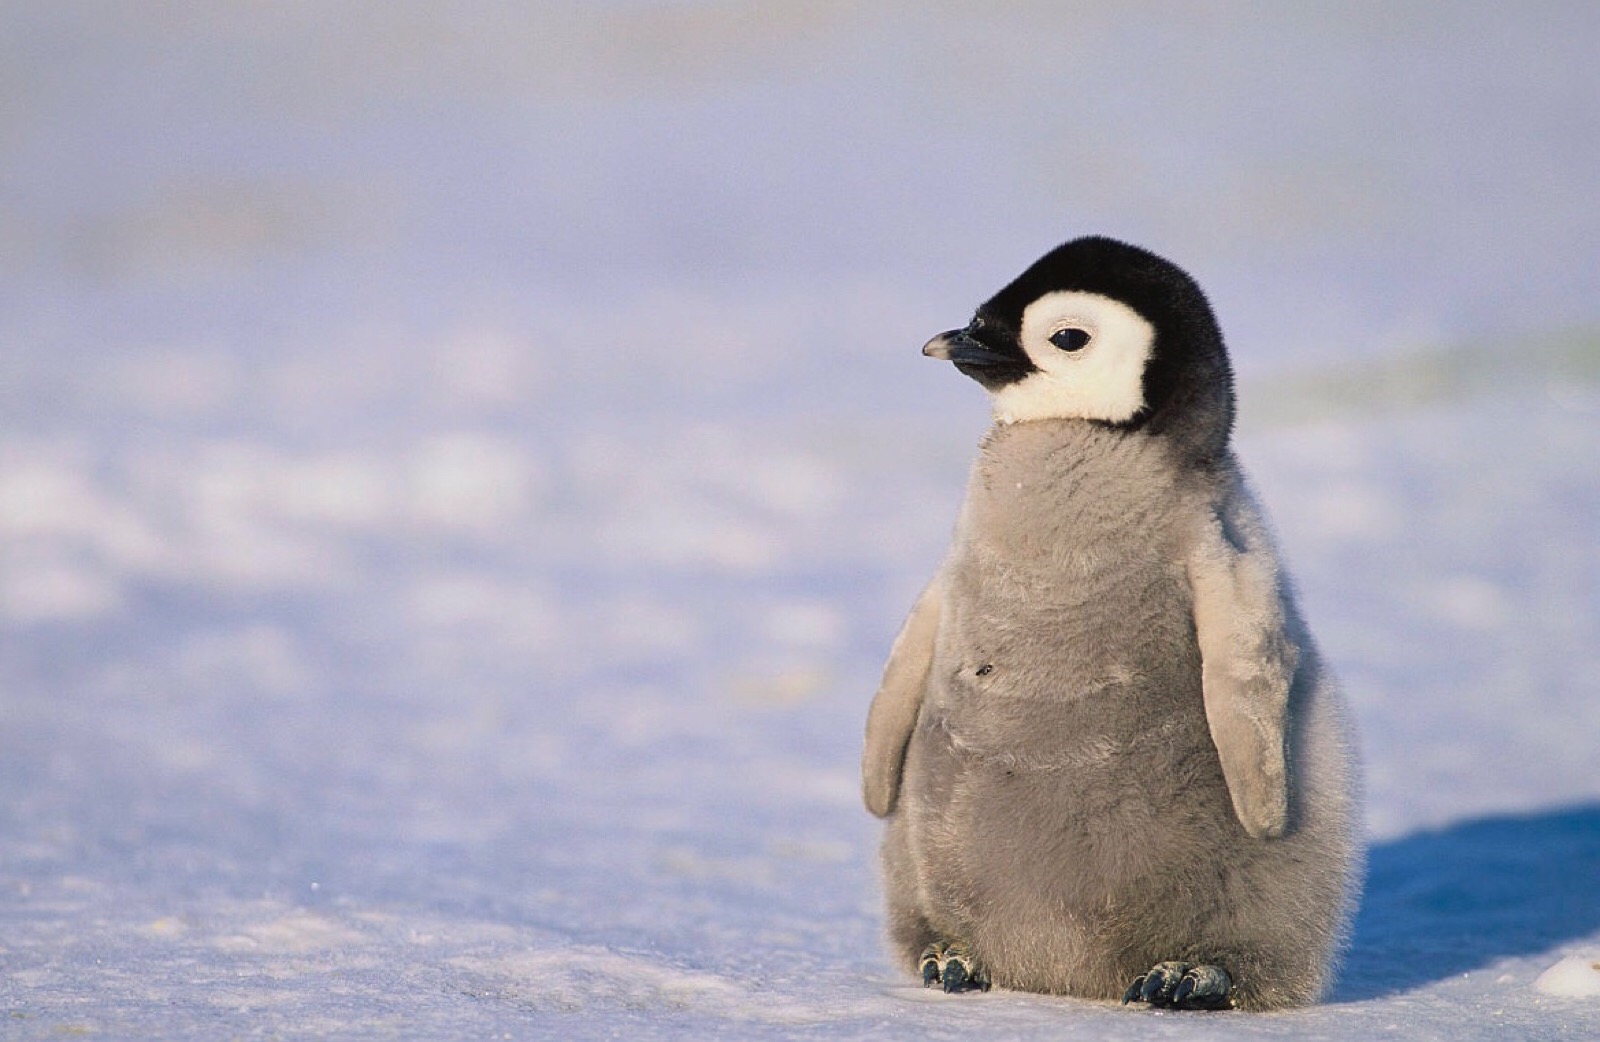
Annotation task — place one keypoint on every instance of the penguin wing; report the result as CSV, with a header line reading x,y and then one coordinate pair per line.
x,y
1248,656
899,698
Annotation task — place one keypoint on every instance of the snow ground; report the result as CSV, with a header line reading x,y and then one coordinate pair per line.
x,y
442,575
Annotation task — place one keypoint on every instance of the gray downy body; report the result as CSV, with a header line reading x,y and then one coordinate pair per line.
x,y
1062,807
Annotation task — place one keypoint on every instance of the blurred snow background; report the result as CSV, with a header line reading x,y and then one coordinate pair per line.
x,y
462,465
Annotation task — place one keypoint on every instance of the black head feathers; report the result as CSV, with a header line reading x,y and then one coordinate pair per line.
x,y
1187,383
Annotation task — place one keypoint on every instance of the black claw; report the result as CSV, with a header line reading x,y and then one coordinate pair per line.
x,y
929,964
1180,985
952,967
1211,988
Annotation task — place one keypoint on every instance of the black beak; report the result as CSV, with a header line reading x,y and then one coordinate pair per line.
x,y
988,366
962,348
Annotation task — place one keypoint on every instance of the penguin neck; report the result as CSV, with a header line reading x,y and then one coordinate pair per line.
x,y
1071,483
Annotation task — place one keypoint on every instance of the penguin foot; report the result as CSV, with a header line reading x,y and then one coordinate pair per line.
x,y
952,967
1182,985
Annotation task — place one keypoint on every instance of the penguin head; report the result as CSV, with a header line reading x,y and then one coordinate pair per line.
x,y
1103,332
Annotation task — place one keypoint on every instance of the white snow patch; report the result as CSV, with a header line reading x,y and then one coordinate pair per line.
x,y
470,481
804,623
1470,602
778,685
49,589
586,979
340,488
1353,508
486,366
298,932
1574,977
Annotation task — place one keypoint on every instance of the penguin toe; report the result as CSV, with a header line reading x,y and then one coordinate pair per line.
x,y
952,967
959,975
1182,985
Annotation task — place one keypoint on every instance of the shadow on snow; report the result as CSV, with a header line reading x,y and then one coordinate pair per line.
x,y
1444,902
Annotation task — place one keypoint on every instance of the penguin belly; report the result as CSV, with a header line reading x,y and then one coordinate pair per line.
x,y
1067,794
1066,815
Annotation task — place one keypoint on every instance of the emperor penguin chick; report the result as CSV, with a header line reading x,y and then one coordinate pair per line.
x,y
1112,762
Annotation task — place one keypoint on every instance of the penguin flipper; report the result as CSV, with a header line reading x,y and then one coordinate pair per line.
x,y
1248,657
895,706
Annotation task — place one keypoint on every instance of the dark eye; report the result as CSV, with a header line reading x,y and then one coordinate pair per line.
x,y
1070,339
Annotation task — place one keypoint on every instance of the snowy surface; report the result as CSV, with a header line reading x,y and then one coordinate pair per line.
x,y
1576,976
461,467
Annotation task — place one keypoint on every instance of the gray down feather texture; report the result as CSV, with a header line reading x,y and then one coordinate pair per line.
x,y
1073,788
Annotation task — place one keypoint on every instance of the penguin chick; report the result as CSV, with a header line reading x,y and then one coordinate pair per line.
x,y
1112,761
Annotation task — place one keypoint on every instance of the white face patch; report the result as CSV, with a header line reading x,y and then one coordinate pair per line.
x,y
1101,380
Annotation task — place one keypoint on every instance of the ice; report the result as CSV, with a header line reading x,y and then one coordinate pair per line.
x,y
462,466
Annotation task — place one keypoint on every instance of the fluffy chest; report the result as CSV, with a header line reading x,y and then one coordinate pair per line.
x,y
1067,600
1059,510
